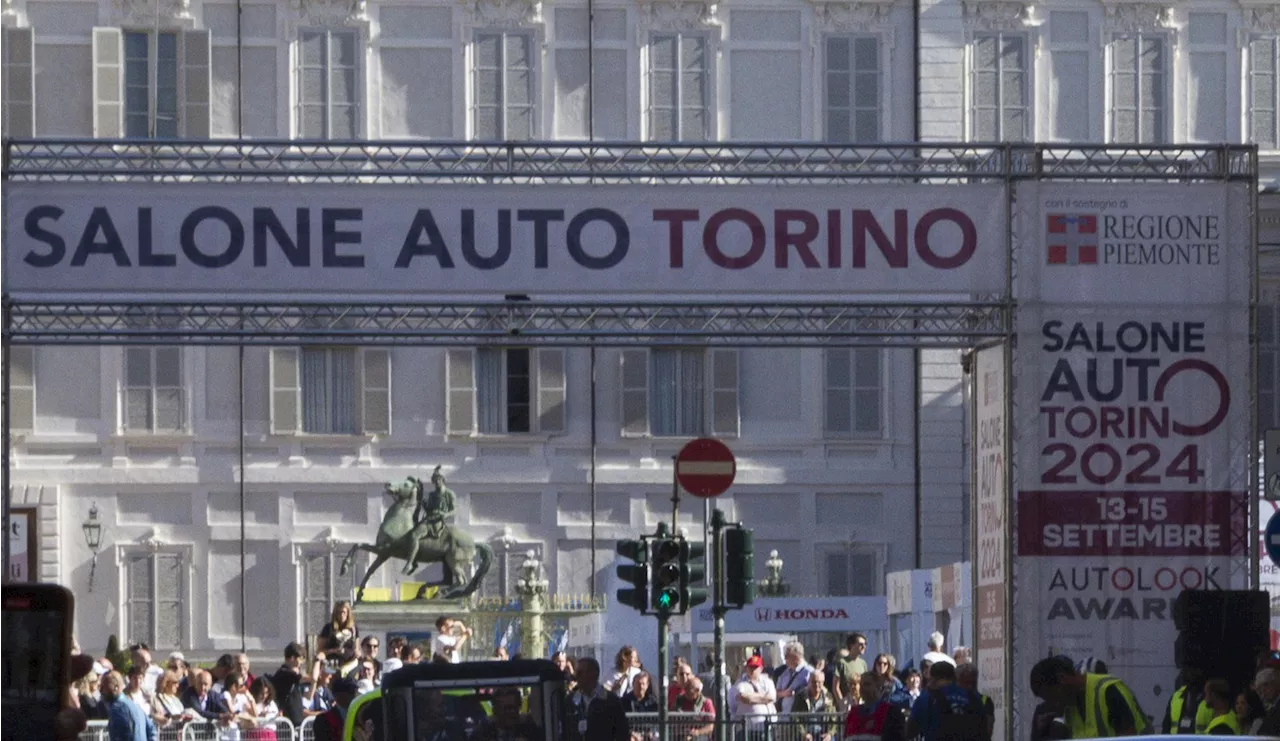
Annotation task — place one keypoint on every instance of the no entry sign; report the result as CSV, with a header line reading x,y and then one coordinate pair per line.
x,y
705,467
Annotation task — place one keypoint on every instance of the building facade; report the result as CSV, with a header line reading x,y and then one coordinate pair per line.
x,y
852,462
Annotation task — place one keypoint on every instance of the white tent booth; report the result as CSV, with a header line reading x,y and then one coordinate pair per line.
x,y
1115,284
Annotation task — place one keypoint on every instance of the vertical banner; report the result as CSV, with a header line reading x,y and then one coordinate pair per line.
x,y
1133,421
991,593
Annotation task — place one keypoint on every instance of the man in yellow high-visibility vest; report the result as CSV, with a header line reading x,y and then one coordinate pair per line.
x,y
1093,705
1188,712
1217,693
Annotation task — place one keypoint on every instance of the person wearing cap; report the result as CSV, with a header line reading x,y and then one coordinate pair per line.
x,y
329,725
754,695
1093,705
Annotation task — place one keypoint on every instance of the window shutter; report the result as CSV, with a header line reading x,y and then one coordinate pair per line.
x,y
108,83
19,83
196,82
286,391
375,391
837,382
1264,65
170,406
725,420
138,380
551,391
868,390
22,388
635,393
169,590
460,392
140,580
317,591
838,574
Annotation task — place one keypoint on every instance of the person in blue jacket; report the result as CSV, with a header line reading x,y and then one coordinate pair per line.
x,y
126,720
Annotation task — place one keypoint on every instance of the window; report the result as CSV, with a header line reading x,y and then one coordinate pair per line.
x,y
19,83
853,381
155,589
330,391
323,584
850,573
999,111
1138,96
154,394
851,97
22,388
1264,92
502,391
504,89
1069,95
679,88
680,392
151,84
328,84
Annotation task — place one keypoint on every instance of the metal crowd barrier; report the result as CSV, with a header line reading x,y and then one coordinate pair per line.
x,y
780,727
279,729
644,727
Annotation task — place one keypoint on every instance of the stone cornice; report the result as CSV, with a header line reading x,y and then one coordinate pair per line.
x,y
166,13
998,15
503,13
331,12
678,15
858,15
1136,15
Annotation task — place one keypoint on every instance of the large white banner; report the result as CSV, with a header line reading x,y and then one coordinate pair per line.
x,y
421,242
991,591
1133,421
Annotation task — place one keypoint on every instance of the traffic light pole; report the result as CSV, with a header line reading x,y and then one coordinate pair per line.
x,y
664,733
718,610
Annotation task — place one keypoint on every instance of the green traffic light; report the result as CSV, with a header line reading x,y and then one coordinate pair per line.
x,y
667,599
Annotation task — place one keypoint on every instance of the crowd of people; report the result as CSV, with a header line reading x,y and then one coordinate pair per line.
x,y
837,697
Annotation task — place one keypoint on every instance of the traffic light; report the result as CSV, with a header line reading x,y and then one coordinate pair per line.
x,y
636,574
693,573
666,576
739,567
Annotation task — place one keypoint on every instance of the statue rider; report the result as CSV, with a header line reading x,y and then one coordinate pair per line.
x,y
436,508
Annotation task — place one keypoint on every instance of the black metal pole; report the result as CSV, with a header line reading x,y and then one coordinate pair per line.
x,y
675,499
664,733
717,611
5,440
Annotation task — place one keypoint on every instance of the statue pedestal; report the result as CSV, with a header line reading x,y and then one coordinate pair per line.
x,y
418,616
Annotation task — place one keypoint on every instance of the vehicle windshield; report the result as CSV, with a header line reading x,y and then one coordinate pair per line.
x,y
486,710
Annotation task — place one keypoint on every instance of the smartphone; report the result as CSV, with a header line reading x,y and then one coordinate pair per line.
x,y
35,659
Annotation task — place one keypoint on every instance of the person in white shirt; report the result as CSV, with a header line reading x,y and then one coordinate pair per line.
x,y
754,695
794,677
935,654
626,665
450,637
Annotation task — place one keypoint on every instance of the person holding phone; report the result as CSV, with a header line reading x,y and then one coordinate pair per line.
x,y
126,720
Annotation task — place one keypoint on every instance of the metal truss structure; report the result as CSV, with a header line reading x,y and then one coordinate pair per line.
x,y
964,321
736,325
947,321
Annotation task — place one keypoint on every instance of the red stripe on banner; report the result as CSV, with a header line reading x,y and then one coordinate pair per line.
x,y
1109,523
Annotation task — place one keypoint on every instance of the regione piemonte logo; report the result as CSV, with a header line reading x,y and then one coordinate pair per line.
x,y
1072,239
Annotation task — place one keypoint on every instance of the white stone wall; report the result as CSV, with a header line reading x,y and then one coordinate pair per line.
x,y
805,495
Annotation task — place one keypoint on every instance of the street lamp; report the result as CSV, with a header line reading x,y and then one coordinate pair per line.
x,y
773,584
92,528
